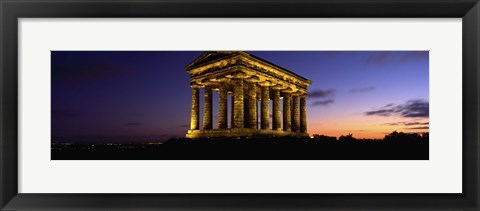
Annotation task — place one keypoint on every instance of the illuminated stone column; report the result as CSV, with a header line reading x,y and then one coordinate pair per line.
x,y
194,118
232,106
207,108
256,103
303,114
265,114
295,114
287,117
276,121
245,104
222,107
252,106
238,121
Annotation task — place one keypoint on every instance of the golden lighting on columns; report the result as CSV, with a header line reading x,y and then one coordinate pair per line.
x,y
247,79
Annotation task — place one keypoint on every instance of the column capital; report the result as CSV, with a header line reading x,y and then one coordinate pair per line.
x,y
296,94
194,85
222,84
239,75
266,83
252,79
224,80
278,87
288,90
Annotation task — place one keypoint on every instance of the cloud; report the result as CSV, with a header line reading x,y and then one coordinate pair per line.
x,y
132,124
406,123
414,108
419,128
380,58
381,112
394,123
321,93
384,58
413,55
389,105
417,123
325,95
410,109
322,102
362,90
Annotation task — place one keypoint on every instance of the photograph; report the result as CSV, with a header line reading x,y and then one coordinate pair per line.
x,y
240,105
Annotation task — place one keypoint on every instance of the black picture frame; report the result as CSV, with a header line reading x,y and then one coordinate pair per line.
x,y
11,10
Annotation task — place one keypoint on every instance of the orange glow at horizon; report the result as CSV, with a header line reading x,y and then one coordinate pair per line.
x,y
363,127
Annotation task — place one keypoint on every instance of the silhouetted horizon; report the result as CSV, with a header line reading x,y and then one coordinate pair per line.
x,y
393,147
162,139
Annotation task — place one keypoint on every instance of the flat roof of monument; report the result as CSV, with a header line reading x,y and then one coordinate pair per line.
x,y
209,56
263,60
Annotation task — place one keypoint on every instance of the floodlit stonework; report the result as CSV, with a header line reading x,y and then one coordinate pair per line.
x,y
248,80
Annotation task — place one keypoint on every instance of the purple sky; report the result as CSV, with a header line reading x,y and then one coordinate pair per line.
x,y
147,94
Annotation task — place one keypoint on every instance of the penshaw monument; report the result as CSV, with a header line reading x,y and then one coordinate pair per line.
x,y
251,83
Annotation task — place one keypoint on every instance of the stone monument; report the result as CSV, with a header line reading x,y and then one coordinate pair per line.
x,y
248,80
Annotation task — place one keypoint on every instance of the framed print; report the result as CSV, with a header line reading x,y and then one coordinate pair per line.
x,y
239,105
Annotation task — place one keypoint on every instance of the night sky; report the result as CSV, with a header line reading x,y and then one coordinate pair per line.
x,y
145,95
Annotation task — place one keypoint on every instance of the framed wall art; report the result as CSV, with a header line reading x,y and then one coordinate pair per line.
x,y
250,105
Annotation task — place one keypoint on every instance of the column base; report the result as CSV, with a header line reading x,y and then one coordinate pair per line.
x,y
241,132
